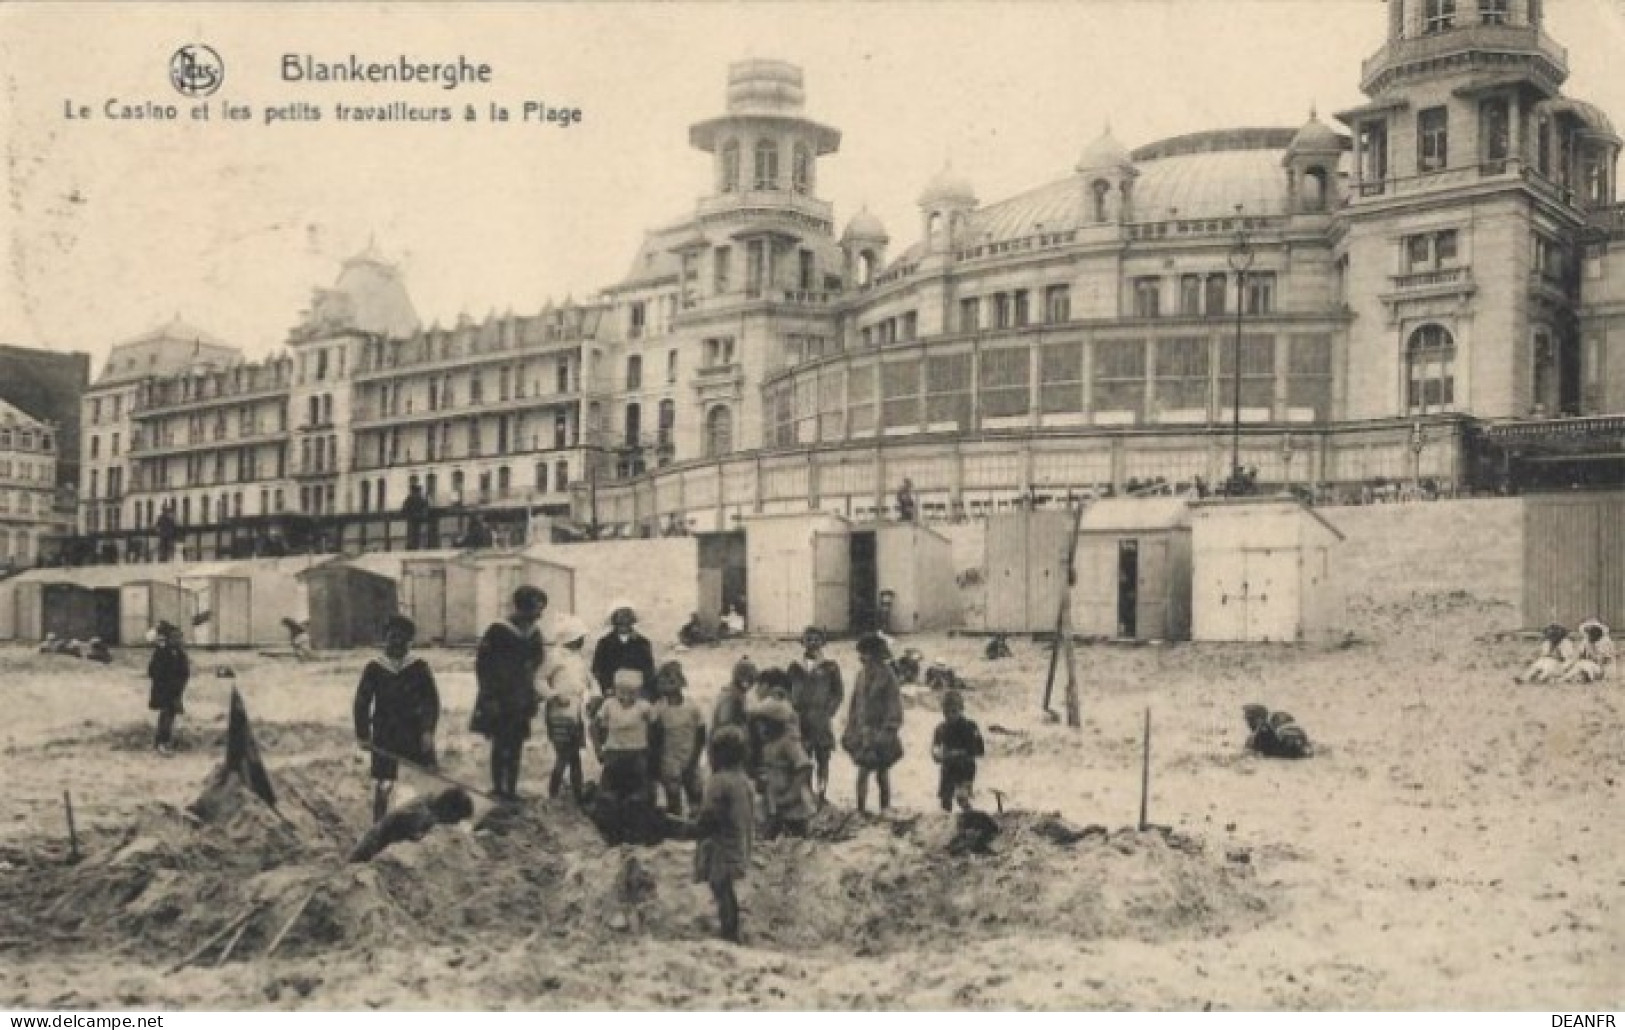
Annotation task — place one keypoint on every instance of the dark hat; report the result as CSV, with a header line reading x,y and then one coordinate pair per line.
x,y
401,623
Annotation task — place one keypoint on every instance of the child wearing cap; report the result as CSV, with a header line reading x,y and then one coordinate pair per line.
x,y
816,692
956,745
621,739
725,826
397,707
623,647
568,687
169,670
682,740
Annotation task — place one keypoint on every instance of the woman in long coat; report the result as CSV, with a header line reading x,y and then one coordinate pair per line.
x,y
874,722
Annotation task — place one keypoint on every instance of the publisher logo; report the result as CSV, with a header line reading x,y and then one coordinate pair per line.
x,y
196,70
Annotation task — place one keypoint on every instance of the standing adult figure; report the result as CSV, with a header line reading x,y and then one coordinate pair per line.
x,y
416,510
505,667
874,721
623,647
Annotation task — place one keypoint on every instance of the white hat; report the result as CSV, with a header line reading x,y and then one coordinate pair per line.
x,y
568,629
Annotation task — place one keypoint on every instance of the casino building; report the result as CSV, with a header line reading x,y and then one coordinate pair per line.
x,y
1427,287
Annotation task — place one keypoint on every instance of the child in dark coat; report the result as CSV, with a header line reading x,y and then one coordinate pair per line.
x,y
726,826
510,654
623,647
397,707
169,669
874,721
956,746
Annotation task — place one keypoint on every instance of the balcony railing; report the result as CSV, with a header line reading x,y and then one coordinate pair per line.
x,y
1432,278
820,212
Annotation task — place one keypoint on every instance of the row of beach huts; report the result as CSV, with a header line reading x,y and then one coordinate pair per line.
x,y
1162,568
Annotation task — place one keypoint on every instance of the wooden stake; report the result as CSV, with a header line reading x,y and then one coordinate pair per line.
x,y
1145,775
203,948
299,910
225,953
1063,617
1074,713
73,833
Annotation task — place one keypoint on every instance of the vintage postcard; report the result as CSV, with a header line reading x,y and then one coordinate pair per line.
x,y
1108,505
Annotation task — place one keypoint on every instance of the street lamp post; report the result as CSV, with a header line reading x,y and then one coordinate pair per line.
x,y
1240,259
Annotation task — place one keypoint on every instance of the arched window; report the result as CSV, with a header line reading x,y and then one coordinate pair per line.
x,y
1312,189
1430,357
1101,189
767,165
933,225
457,485
730,166
719,431
866,267
801,169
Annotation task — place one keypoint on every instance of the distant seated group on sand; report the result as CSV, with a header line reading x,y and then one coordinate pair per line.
x,y
92,650
1585,656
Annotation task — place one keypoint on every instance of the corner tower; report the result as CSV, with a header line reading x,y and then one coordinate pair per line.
x,y
1469,168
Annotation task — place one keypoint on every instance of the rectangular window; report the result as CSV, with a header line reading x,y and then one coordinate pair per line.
x,y
806,271
1493,12
1494,135
1058,304
1438,15
1001,311
900,394
1003,383
637,318
947,391
755,267
860,401
1217,289
1257,373
1060,378
970,314
1023,313
1182,377
1309,378
634,372
476,389
671,366
1431,250
1190,295
831,404
1119,379
95,447
910,325
1147,297
1432,139
1373,156
721,270
1261,293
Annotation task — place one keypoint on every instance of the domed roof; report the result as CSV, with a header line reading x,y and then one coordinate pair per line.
x,y
369,296
864,225
948,188
1104,152
1316,136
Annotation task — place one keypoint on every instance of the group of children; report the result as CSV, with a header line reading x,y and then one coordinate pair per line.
x,y
1584,657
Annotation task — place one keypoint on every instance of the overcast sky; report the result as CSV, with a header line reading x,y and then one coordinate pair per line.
x,y
112,228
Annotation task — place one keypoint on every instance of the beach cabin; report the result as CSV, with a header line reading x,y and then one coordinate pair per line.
x,y
1025,571
348,605
1574,558
478,590
1264,569
145,603
799,569
219,610
913,563
1133,569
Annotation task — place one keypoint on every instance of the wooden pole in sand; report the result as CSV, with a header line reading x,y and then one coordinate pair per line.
x,y
1145,774
73,833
